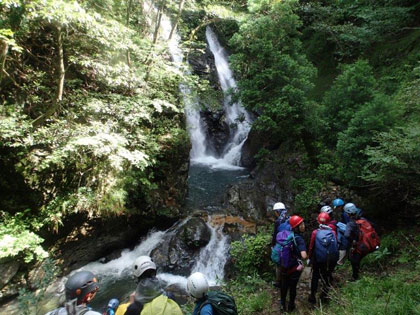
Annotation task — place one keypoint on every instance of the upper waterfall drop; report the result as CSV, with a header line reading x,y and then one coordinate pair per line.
x,y
237,117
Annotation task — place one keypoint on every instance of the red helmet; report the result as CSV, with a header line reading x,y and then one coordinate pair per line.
x,y
324,218
295,220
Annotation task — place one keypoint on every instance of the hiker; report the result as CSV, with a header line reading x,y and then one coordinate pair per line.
x,y
361,236
323,255
149,297
80,290
286,254
338,205
332,223
281,224
208,302
282,220
112,307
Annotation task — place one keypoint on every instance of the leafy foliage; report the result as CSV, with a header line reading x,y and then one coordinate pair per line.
x,y
17,239
274,74
103,146
251,254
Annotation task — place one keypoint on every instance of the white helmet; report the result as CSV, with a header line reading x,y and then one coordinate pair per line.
x,y
326,209
279,206
350,208
197,285
142,264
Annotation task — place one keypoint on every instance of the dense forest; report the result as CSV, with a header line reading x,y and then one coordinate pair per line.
x,y
93,131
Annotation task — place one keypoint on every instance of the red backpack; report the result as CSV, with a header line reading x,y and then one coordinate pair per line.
x,y
368,239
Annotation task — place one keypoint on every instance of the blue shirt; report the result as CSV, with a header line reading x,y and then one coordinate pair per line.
x,y
300,247
206,310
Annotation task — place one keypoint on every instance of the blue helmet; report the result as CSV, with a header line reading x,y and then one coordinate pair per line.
x,y
350,208
338,202
113,303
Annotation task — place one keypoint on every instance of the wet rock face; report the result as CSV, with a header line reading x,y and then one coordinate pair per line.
x,y
253,197
217,130
204,66
180,247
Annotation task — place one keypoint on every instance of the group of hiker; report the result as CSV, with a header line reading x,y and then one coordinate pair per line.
x,y
149,297
330,244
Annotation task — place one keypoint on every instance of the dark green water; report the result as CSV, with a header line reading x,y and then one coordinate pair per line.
x,y
207,185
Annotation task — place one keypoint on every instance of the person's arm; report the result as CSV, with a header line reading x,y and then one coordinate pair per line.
x,y
301,247
273,239
311,243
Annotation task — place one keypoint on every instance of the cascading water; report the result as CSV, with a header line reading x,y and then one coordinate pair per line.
x,y
237,117
115,276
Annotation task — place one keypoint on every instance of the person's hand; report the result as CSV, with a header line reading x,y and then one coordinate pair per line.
x,y
132,297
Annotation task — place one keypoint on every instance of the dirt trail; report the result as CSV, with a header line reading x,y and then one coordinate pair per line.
x,y
303,307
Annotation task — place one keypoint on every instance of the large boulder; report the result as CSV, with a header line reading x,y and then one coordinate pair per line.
x,y
252,198
180,246
8,271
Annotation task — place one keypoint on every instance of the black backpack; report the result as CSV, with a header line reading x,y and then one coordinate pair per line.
x,y
221,303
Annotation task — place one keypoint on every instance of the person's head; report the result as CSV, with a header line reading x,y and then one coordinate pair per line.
x,y
81,286
338,204
351,210
113,304
197,285
324,218
326,209
296,222
279,208
144,267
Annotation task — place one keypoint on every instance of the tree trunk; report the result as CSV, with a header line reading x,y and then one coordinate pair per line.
x,y
158,20
128,24
3,53
181,6
61,71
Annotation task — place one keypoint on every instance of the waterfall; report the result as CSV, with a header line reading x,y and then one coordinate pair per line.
x,y
237,117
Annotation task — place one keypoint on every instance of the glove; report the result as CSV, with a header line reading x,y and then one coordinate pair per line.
x,y
308,262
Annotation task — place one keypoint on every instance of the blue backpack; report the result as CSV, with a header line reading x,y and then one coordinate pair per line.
x,y
341,230
282,252
326,247
284,226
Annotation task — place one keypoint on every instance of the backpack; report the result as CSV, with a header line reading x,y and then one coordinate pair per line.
x,y
221,303
341,230
284,226
161,305
368,239
282,252
326,246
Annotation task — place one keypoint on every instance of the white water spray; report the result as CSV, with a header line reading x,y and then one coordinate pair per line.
x,y
237,117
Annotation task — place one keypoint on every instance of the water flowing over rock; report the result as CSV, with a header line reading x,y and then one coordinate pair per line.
x,y
180,246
